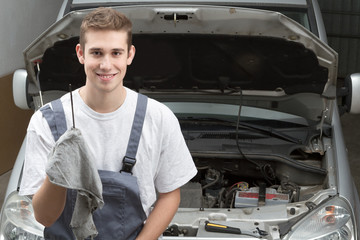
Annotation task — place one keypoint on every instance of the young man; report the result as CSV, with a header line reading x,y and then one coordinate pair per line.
x,y
104,113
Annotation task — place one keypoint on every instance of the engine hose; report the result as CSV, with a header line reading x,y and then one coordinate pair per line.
x,y
217,177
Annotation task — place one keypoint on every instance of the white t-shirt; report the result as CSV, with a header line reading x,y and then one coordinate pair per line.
x,y
163,162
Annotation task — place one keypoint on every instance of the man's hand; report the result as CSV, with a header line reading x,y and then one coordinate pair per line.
x,y
160,217
49,202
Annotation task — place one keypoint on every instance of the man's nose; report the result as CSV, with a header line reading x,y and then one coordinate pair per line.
x,y
105,63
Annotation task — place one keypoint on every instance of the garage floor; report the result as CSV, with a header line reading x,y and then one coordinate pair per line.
x,y
351,130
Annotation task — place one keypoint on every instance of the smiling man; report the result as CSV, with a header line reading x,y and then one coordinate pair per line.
x,y
106,113
105,55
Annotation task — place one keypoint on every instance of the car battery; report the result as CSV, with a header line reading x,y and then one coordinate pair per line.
x,y
250,198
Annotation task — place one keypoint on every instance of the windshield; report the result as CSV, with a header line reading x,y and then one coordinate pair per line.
x,y
299,16
209,127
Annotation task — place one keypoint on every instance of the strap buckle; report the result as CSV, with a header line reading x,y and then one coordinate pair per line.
x,y
128,164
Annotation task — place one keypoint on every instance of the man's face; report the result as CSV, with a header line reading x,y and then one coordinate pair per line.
x,y
105,57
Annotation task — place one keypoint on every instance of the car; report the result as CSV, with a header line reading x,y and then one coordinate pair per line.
x,y
254,86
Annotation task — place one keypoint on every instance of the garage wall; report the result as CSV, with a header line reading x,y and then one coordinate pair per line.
x,y
13,124
342,23
21,22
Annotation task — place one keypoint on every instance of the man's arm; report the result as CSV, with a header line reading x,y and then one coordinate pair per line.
x,y
160,217
49,202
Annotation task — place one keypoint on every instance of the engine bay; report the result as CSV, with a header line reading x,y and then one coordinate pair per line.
x,y
261,194
253,181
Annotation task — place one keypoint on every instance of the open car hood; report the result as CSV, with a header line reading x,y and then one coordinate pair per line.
x,y
263,55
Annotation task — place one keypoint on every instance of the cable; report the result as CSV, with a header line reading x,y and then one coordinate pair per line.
x,y
262,168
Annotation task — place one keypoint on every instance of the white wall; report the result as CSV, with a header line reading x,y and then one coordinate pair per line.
x,y
21,21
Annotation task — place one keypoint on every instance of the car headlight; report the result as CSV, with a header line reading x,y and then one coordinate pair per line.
x,y
18,221
331,220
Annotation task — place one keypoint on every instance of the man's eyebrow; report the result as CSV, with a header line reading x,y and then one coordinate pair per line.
x,y
118,49
95,49
100,49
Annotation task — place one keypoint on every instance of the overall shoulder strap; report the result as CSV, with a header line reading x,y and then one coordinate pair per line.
x,y
55,117
136,129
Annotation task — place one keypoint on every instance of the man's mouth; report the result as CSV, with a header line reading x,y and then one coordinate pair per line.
x,y
106,77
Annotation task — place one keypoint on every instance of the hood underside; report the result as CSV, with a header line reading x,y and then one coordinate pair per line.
x,y
191,48
195,62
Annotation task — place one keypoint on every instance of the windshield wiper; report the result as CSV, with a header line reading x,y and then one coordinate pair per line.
x,y
262,129
207,120
271,132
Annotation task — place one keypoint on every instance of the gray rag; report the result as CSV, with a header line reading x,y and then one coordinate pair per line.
x,y
71,165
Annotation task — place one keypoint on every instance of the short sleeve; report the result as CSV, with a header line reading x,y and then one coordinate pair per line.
x,y
39,142
176,166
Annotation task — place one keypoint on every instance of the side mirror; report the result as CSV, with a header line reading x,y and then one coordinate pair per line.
x,y
20,89
350,94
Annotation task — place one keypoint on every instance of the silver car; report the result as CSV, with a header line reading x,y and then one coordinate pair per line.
x,y
254,86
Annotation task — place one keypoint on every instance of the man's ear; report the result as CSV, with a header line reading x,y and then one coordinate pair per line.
x,y
131,55
80,53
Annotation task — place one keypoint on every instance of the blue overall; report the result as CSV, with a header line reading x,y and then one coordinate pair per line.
x,y
122,216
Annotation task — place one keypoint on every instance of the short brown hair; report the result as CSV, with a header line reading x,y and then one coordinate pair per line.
x,y
105,19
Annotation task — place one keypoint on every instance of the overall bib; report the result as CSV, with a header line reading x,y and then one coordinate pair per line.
x,y
122,216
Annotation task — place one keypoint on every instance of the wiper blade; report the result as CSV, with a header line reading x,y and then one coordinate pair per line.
x,y
271,132
207,120
262,129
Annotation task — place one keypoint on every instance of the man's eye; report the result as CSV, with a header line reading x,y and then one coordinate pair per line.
x,y
117,53
96,53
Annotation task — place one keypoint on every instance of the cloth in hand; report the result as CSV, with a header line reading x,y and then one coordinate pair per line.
x,y
71,165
